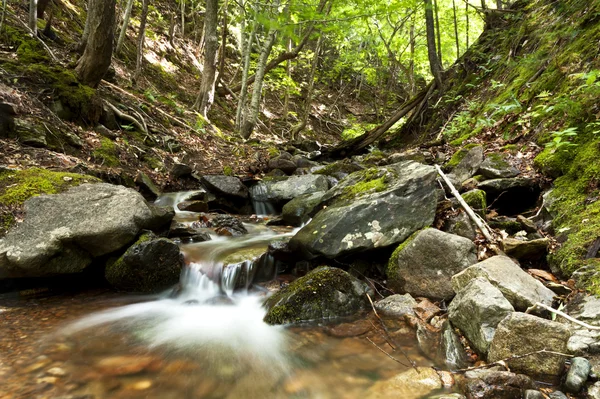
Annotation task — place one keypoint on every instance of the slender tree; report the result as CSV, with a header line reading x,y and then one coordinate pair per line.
x,y
33,16
247,43
438,32
97,55
455,28
140,41
434,61
123,33
211,47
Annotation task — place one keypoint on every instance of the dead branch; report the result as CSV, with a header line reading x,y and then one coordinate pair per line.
x,y
126,117
564,315
478,222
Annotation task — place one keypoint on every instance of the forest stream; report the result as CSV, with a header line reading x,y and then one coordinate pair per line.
x,y
204,338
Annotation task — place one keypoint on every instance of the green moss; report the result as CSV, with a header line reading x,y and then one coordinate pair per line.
x,y
308,297
153,162
459,156
476,199
370,180
392,266
554,163
512,148
227,170
273,152
31,51
107,153
19,185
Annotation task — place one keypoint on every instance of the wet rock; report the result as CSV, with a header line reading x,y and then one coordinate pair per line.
x,y
396,305
533,394
298,211
424,264
286,165
577,375
226,225
496,166
453,352
521,333
477,310
464,163
511,196
519,288
181,170
557,395
525,249
150,265
387,205
281,190
62,233
225,185
147,185
125,365
193,206
492,384
461,225
408,384
325,292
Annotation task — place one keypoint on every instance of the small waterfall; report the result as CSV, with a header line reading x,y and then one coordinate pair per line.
x,y
173,199
260,200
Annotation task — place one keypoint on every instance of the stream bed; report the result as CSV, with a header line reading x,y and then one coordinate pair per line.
x,y
204,339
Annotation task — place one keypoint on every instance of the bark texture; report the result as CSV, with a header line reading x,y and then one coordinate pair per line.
x,y
141,38
211,47
434,61
97,55
126,17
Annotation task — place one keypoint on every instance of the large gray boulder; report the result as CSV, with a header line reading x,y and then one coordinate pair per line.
x,y
324,293
476,310
493,384
521,290
225,185
283,189
396,305
520,334
298,211
424,264
496,166
369,209
464,163
151,264
62,233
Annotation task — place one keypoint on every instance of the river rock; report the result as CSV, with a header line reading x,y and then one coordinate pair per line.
x,y
151,264
181,170
493,384
286,165
227,225
511,196
557,395
193,206
281,190
521,333
525,249
464,163
496,166
594,391
461,225
369,209
298,211
477,310
452,349
147,185
521,290
412,383
585,308
62,233
225,185
324,293
339,169
396,305
533,394
577,375
424,264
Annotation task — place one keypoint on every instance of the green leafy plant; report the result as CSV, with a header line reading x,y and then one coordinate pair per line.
x,y
561,139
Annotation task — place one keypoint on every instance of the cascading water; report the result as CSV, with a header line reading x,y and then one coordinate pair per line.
x,y
260,201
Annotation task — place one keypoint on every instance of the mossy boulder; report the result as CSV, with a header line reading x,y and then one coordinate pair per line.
x,y
339,169
151,264
477,200
324,293
372,208
298,211
464,163
497,166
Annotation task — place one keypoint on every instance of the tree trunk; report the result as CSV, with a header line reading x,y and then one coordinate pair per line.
x,y
411,67
455,29
41,8
182,18
33,16
467,23
209,73
309,92
224,33
172,29
123,33
3,14
439,35
140,41
434,61
251,119
97,55
246,53
499,4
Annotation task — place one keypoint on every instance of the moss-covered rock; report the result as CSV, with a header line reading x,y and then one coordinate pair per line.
x,y
496,166
324,293
107,153
459,156
476,199
151,264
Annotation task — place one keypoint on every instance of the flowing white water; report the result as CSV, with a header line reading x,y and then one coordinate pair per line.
x,y
260,200
205,316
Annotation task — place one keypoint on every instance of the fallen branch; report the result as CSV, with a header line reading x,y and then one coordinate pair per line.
x,y
126,117
503,362
478,222
387,354
564,315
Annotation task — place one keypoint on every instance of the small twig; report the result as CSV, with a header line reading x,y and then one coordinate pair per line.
x,y
466,207
35,37
502,362
564,315
387,354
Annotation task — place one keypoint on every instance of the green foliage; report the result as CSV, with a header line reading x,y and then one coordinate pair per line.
x,y
107,153
561,139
